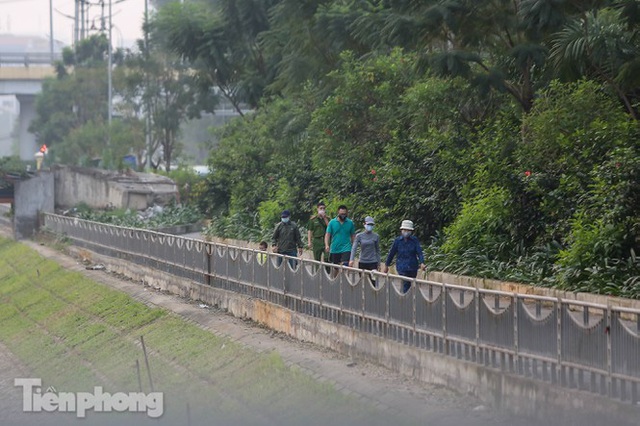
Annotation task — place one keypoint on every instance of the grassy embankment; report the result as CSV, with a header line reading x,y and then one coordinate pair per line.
x,y
76,334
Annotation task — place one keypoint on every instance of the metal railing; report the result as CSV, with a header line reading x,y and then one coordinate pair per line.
x,y
578,345
28,59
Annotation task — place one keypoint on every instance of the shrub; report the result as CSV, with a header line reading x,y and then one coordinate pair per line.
x,y
483,224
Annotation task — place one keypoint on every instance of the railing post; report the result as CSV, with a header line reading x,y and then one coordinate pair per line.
x,y
560,367
322,272
516,329
477,314
269,265
415,301
341,285
387,307
208,249
228,259
254,258
445,345
585,315
300,273
609,349
363,281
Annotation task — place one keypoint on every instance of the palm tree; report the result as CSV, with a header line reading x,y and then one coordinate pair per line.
x,y
601,45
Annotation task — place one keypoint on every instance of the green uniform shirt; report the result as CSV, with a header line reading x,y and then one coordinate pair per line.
x,y
318,228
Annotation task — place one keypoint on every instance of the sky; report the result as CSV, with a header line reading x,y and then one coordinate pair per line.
x,y
31,17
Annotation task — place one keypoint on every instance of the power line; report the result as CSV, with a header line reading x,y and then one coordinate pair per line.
x,y
14,1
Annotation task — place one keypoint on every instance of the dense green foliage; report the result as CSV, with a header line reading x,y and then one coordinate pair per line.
x,y
11,169
507,131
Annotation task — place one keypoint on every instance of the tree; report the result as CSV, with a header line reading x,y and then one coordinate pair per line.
x,y
221,45
157,83
72,110
69,102
604,46
490,43
305,40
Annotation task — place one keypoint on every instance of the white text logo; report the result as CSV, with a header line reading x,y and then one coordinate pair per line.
x,y
34,400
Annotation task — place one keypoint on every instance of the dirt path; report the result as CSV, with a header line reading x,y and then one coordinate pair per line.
x,y
430,405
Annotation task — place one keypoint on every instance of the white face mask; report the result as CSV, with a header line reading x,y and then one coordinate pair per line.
x,y
368,228
285,219
406,234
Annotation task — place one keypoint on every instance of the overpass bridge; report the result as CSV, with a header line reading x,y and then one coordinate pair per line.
x,y
21,76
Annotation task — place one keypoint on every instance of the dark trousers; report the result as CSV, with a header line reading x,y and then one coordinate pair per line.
x,y
292,262
406,285
370,267
340,258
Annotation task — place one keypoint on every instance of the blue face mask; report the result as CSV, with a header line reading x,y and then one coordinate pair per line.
x,y
368,228
406,234
285,220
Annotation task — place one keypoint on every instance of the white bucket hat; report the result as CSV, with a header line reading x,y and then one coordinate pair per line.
x,y
407,224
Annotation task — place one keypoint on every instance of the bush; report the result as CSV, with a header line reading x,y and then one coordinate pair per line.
x,y
483,224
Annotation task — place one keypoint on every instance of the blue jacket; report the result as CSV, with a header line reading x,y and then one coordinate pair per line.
x,y
409,254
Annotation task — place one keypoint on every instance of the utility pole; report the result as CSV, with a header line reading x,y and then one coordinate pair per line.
x,y
51,28
110,83
147,121
82,19
76,27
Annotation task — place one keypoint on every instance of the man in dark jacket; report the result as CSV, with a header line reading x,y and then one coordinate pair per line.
x,y
409,252
286,238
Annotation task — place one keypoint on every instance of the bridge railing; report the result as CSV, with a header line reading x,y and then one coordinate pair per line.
x,y
585,346
28,59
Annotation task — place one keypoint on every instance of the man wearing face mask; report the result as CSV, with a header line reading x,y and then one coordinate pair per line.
x,y
317,227
286,238
340,233
369,243
409,252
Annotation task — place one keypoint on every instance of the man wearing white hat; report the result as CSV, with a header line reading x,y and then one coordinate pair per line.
x,y
410,256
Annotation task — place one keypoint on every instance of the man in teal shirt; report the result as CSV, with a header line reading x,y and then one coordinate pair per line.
x,y
340,232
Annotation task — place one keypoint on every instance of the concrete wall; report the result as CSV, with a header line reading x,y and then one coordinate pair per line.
x,y
92,188
32,197
102,188
518,395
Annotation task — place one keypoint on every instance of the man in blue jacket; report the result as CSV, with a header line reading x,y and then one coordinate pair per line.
x,y
409,251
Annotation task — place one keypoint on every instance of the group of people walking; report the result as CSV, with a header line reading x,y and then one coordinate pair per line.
x,y
335,240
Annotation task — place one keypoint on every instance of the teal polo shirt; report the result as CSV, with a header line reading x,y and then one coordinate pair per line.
x,y
341,235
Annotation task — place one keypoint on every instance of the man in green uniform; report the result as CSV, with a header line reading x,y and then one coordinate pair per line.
x,y
317,227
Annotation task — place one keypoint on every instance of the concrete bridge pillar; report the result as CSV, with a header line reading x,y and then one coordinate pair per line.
x,y
27,141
